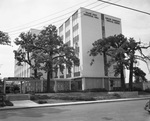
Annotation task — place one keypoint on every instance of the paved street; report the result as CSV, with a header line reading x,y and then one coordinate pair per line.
x,y
115,111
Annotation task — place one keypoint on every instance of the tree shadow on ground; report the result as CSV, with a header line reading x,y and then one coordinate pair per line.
x,y
35,112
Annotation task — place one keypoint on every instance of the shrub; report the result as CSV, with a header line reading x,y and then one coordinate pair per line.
x,y
33,97
116,95
137,89
42,102
147,90
75,98
66,91
116,89
8,103
43,97
2,104
96,90
36,97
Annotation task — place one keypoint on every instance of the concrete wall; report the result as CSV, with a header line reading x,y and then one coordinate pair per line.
x,y
126,94
112,25
142,85
91,30
91,83
146,85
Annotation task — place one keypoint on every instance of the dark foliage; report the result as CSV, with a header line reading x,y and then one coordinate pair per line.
x,y
4,38
42,102
96,90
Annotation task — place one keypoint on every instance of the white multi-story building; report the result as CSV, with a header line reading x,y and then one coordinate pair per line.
x,y
79,31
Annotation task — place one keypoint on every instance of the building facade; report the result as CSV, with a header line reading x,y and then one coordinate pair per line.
x,y
79,31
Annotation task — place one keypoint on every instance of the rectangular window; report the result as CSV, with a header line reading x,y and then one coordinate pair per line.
x,y
76,39
76,74
67,33
68,43
103,25
75,27
67,38
62,37
76,69
67,23
61,28
102,17
75,16
103,31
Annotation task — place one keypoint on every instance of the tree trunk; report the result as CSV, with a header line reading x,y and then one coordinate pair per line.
x,y
123,86
35,73
131,75
49,76
48,81
137,79
105,64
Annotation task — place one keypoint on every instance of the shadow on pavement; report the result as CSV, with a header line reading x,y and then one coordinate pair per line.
x,y
36,112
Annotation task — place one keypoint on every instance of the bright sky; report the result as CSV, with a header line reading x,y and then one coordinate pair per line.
x,y
21,15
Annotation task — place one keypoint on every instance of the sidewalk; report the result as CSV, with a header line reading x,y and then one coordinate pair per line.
x,y
24,104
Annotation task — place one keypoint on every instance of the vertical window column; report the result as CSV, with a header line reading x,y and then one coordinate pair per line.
x,y
61,32
67,30
75,29
103,36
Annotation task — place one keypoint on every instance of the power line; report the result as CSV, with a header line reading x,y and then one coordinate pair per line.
x,y
52,19
106,5
58,17
30,26
47,20
48,15
125,7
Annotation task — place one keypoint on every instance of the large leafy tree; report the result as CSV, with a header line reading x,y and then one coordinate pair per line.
x,y
25,53
115,48
139,75
124,53
135,53
53,53
4,38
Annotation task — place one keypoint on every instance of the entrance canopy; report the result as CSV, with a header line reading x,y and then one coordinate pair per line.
x,y
26,83
20,79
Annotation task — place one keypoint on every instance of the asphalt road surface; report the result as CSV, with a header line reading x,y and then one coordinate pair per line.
x,y
114,111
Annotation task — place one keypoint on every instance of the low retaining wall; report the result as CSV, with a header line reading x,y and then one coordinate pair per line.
x,y
13,97
126,94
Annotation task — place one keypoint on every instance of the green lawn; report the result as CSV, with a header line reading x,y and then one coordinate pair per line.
x,y
72,96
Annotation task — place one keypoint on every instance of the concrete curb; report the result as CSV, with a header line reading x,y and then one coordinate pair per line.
x,y
73,103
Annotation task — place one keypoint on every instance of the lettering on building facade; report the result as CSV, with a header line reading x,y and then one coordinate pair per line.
x,y
93,15
112,20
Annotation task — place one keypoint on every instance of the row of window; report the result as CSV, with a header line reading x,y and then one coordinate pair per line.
x,y
67,25
75,35
75,69
18,68
24,73
67,34
103,25
75,74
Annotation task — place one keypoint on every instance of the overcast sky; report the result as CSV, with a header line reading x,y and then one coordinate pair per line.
x,y
18,16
